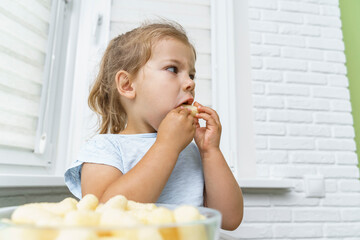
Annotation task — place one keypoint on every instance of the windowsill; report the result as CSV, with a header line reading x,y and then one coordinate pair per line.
x,y
30,180
47,180
264,183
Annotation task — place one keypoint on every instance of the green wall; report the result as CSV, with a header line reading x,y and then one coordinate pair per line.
x,y
350,17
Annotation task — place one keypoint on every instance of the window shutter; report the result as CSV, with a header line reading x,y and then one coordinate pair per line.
x,y
24,28
193,15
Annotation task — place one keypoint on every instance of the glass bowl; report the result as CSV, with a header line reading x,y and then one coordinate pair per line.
x,y
205,229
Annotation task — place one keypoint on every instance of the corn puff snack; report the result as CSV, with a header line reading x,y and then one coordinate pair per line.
x,y
193,109
118,219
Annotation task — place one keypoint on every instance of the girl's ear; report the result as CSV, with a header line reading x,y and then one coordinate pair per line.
x,y
124,84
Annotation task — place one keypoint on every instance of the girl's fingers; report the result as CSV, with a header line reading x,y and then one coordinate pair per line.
x,y
182,110
178,109
208,118
209,111
196,122
196,104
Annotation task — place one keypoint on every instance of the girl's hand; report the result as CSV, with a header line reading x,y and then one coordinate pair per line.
x,y
177,129
207,138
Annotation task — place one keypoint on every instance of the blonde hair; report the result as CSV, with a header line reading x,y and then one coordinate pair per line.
x,y
129,52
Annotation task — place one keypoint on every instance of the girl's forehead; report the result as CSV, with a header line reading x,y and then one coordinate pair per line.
x,y
171,47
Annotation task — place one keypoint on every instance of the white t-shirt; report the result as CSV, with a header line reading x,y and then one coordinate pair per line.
x,y
185,185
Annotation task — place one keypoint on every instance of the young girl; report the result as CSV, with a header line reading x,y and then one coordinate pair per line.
x,y
144,150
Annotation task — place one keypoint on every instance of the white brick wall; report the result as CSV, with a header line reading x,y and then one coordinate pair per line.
x,y
303,122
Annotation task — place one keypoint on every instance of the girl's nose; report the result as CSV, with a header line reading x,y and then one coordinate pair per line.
x,y
189,84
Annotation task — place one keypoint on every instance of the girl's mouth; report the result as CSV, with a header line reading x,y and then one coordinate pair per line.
x,y
188,101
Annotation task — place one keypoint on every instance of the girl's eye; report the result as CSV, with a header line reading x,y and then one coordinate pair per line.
x,y
192,76
172,69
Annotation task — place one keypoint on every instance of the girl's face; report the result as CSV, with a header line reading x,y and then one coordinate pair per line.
x,y
165,82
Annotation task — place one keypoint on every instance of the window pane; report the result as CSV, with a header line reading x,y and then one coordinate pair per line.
x,y
24,29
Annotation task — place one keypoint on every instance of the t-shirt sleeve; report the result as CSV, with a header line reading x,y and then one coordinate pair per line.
x,y
99,149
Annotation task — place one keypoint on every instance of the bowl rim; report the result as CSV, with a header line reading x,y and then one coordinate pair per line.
x,y
215,218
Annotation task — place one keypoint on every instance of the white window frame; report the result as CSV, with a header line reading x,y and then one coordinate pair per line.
x,y
232,92
93,36
231,84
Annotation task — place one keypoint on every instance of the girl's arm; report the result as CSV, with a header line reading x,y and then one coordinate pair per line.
x,y
144,182
222,191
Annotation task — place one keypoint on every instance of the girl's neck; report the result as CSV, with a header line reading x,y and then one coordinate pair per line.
x,y
136,130
136,125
